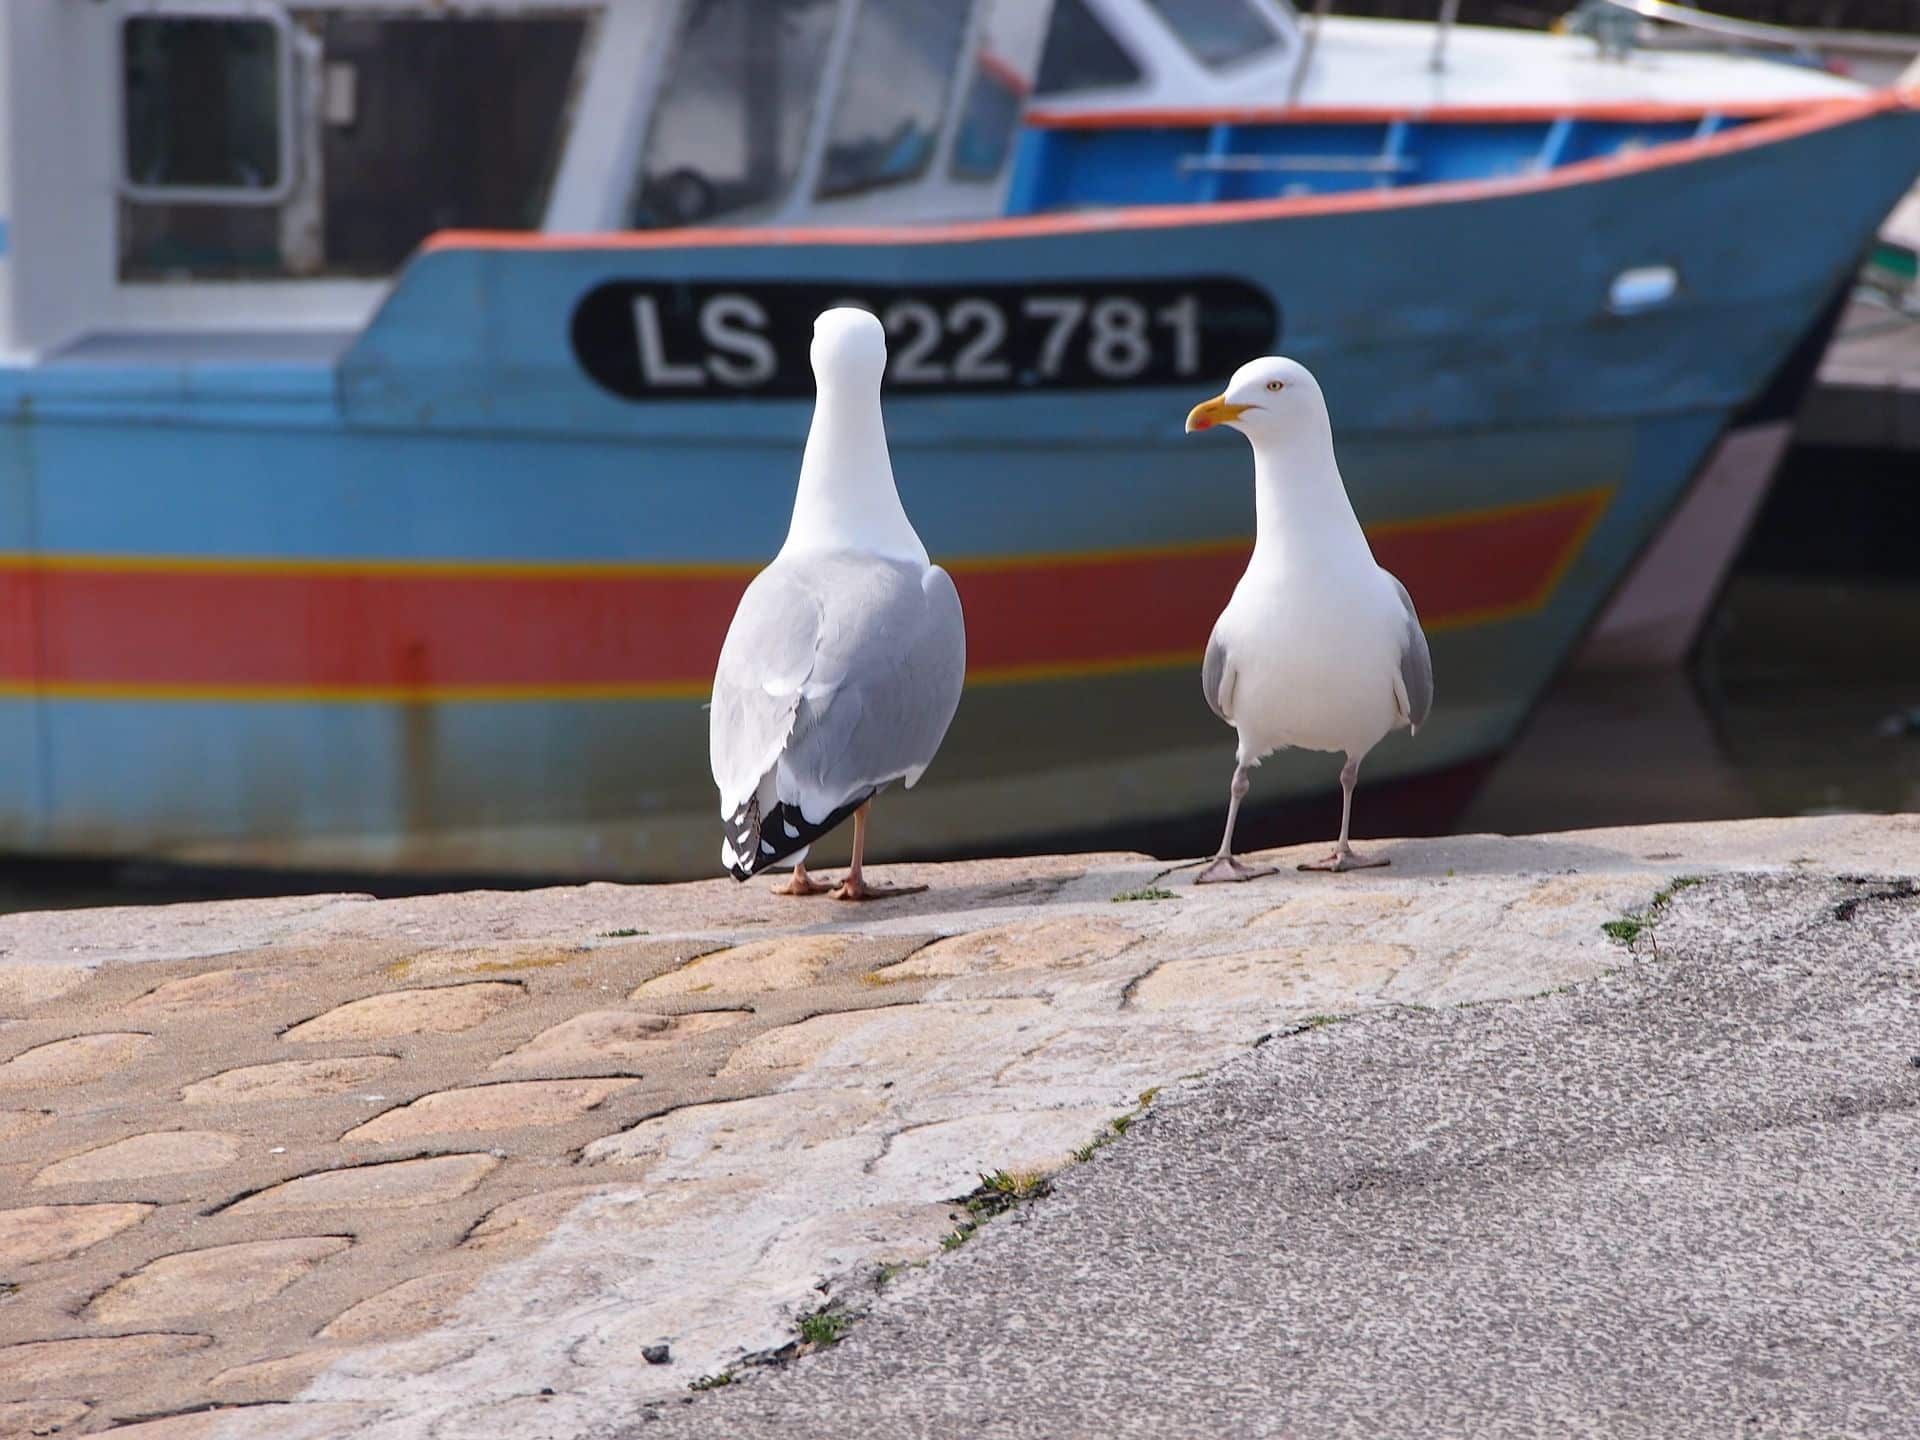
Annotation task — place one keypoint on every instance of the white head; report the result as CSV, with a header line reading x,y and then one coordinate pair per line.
x,y
849,351
1272,401
847,499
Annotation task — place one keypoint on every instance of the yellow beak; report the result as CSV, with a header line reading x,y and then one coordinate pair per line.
x,y
1209,413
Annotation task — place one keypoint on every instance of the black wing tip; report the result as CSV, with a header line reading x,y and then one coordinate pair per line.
x,y
748,829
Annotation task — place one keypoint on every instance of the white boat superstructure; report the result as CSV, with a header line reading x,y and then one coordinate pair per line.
x,y
263,167
1104,54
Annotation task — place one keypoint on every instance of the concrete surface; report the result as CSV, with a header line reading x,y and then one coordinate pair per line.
x,y
1681,1199
449,1166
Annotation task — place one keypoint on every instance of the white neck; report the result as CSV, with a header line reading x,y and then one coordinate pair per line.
x,y
847,499
1303,519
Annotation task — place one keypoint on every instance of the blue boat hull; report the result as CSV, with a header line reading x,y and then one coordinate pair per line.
x,y
356,534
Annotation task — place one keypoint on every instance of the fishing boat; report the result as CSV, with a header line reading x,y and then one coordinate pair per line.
x,y
385,446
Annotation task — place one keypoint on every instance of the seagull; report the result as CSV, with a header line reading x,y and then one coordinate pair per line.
x,y
1319,648
844,663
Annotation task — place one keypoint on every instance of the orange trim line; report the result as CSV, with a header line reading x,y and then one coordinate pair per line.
x,y
1825,115
1005,71
17,561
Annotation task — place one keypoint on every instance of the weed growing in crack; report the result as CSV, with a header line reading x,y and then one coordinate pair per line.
x,y
824,1327
1000,1192
1147,892
1117,1126
620,934
711,1382
1629,928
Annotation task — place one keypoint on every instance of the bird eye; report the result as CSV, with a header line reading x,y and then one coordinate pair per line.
x,y
1275,385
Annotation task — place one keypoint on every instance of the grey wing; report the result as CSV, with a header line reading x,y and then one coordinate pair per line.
x,y
889,681
1216,680
768,659
1416,664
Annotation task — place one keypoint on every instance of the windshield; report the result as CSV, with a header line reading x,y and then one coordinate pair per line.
x,y
1080,54
1218,32
898,79
731,127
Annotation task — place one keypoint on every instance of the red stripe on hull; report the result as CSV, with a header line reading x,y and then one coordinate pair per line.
x,y
291,631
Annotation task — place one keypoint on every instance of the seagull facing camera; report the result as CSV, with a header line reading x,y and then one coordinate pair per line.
x,y
1319,649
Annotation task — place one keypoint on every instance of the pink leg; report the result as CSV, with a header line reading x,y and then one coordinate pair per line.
x,y
800,883
1224,866
856,888
1344,856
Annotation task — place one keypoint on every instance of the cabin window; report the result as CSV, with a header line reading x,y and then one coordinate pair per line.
x,y
990,119
1080,54
730,127
1218,32
894,94
402,124
205,108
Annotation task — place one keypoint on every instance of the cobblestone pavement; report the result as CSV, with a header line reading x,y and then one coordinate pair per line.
x,y
452,1166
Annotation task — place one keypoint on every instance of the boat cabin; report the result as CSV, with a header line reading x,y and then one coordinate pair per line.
x,y
272,165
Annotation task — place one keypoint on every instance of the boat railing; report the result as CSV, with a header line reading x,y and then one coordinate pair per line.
x,y
1307,164
1722,27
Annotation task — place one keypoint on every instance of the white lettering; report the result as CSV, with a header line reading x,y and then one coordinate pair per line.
x,y
979,359
1119,349
911,366
1064,312
732,324
655,368
1183,318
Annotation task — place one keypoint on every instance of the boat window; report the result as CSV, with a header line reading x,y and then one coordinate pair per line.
x,y
893,95
731,124
1080,54
1219,32
408,124
204,107
990,119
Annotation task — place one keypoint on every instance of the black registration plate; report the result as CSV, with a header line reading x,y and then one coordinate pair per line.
x,y
648,340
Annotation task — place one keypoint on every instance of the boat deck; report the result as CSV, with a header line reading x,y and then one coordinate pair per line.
x,y
1076,160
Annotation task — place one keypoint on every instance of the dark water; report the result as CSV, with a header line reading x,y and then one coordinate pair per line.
x,y
1805,699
